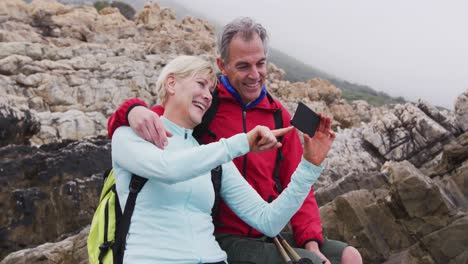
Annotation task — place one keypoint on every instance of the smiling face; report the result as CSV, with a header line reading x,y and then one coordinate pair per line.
x,y
188,99
245,67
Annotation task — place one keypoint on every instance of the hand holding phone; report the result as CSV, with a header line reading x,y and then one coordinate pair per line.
x,y
318,128
305,119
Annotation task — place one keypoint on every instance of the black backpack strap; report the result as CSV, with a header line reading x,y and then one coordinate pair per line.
x,y
277,115
106,245
105,175
136,184
216,174
203,128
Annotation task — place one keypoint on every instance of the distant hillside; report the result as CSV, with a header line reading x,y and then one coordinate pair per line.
x,y
298,71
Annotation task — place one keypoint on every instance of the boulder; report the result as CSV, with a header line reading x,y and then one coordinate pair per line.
x,y
461,111
71,250
405,132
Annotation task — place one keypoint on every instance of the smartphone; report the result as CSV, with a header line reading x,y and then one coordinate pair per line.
x,y
305,119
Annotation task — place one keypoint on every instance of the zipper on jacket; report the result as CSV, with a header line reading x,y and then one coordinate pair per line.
x,y
244,123
244,170
185,134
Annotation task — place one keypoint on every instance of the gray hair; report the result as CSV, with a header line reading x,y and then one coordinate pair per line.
x,y
245,26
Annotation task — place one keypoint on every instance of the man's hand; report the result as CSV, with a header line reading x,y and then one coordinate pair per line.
x,y
313,247
316,148
261,138
147,125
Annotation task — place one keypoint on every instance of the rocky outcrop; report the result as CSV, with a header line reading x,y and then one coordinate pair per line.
x,y
394,183
76,66
406,132
49,191
410,219
399,208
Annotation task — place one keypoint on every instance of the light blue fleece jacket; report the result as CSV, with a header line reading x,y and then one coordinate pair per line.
x,y
172,219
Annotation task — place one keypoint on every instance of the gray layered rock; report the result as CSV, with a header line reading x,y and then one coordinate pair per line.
x,y
406,133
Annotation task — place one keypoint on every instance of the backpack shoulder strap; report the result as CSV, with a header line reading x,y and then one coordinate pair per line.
x,y
278,117
216,175
203,128
136,184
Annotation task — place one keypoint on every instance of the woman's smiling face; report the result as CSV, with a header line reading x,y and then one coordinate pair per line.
x,y
189,99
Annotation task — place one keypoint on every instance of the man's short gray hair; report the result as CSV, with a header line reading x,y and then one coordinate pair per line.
x,y
245,26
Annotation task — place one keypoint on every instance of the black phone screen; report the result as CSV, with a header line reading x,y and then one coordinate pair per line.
x,y
305,119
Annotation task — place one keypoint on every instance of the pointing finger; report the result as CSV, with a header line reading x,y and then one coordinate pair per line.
x,y
282,131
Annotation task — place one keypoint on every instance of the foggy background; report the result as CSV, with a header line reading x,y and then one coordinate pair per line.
x,y
415,49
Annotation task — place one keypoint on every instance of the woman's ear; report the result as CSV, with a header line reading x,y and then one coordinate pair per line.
x,y
170,84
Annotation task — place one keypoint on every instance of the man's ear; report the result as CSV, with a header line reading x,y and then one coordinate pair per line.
x,y
221,65
170,83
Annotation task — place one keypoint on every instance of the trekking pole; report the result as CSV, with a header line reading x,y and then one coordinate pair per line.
x,y
290,250
293,253
282,251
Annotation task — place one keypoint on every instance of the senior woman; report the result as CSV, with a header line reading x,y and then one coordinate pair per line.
x,y
172,220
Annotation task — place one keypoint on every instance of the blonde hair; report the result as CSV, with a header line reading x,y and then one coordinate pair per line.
x,y
183,67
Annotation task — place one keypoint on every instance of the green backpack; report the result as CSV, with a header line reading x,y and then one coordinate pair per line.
x,y
109,228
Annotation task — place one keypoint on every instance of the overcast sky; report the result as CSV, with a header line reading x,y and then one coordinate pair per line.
x,y
411,48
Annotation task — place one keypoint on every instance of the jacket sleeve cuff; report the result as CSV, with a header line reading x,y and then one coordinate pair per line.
x,y
130,109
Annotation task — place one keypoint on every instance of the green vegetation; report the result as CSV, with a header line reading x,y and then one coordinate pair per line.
x,y
99,5
125,9
377,99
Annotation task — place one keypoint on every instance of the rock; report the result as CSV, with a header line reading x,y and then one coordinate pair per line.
x,y
445,118
11,64
15,10
449,242
327,91
49,191
461,111
453,154
405,132
362,109
366,181
412,187
32,50
16,126
344,114
348,156
275,73
414,254
71,250
72,124
365,224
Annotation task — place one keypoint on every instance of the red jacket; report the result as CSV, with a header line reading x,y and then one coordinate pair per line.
x,y
257,168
